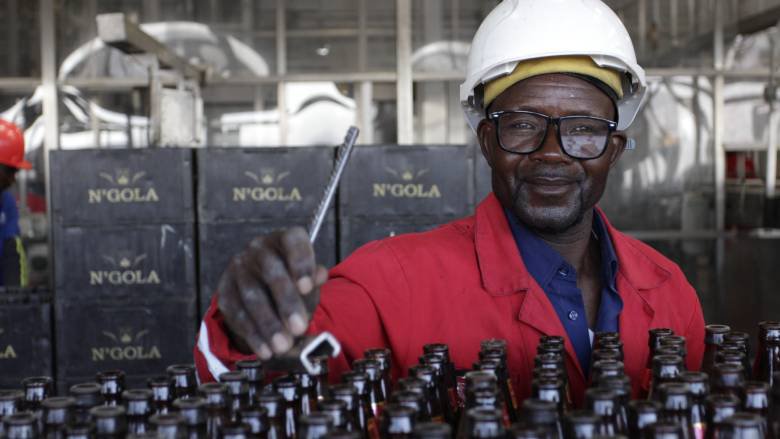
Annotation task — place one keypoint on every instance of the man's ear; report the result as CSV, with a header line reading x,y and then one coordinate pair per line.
x,y
486,134
617,144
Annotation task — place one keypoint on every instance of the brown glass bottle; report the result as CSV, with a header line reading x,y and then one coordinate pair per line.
x,y
439,366
676,403
621,385
666,430
550,389
397,422
315,425
484,422
87,395
756,400
255,376
80,430
359,380
699,390
432,430
676,342
653,343
606,368
413,400
606,354
511,404
110,421
522,431
169,425
193,411
727,378
641,415
741,340
666,368
719,409
580,424
320,376
713,337
217,408
21,425
542,414
309,396
385,359
288,387
237,386
274,405
337,410
768,352
112,384
420,389
182,380
255,419
743,425
57,414
450,384
233,431
774,415
36,389
603,403
376,396
161,394
348,394
137,403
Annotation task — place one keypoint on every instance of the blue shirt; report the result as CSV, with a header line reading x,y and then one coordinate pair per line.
x,y
9,222
558,279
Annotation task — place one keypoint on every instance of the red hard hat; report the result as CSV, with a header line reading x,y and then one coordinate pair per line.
x,y
12,146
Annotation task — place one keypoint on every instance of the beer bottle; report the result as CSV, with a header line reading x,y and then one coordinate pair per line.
x,y
359,381
713,337
743,425
612,345
79,430
621,385
504,382
147,435
450,383
233,431
337,410
666,430
288,387
109,420
719,409
439,366
550,389
308,392
315,425
217,409
768,352
641,415
653,343
774,417
87,395
397,422
756,401
138,408
542,414
606,368
237,387
338,433
727,378
348,394
676,342
384,357
676,403
255,419
699,389
413,400
255,376
606,354
666,368
580,424
485,422
273,403
522,431
600,337
419,388
57,413
496,348
21,425
161,394
36,389
169,425
491,365
432,430
604,405
481,390
376,396
112,384
741,340
183,381
320,377
193,410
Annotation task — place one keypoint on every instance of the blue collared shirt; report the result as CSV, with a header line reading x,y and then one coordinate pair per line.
x,y
558,279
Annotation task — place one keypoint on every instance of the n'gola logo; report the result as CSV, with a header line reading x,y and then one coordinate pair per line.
x,y
123,269
7,353
126,345
124,190
266,187
405,185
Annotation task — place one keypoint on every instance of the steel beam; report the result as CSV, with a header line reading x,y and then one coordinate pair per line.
x,y
404,97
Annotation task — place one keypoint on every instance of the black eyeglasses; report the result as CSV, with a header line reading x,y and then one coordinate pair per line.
x,y
523,132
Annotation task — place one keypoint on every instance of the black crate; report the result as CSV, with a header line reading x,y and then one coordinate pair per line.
x,y
219,242
140,337
102,186
397,181
153,261
354,232
261,183
25,337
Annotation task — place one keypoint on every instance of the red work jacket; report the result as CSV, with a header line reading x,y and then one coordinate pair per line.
x,y
465,282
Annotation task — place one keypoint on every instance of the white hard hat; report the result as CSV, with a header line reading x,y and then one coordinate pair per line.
x,y
518,30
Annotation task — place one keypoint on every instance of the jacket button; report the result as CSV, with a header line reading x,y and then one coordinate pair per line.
x,y
573,315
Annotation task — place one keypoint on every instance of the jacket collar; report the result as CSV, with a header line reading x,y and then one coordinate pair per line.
x,y
503,271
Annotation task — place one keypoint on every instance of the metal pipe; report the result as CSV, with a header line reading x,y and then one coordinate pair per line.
x,y
404,97
771,152
719,152
281,69
50,106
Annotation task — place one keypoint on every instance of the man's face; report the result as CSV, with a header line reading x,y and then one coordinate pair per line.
x,y
548,190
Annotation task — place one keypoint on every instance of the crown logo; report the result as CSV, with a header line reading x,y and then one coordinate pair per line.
x,y
125,335
122,177
124,260
406,174
267,176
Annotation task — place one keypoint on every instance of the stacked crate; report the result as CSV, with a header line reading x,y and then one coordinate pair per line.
x,y
124,263
390,189
247,192
25,335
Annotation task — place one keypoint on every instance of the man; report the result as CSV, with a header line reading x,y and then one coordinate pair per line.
x,y
550,85
13,271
